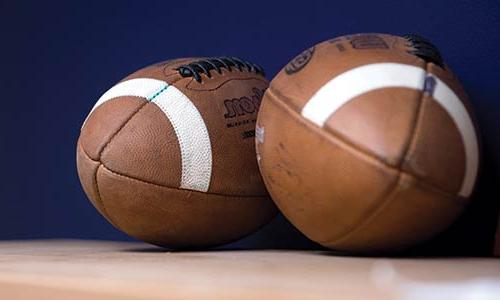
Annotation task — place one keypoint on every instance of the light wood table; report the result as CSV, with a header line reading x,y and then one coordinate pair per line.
x,y
71,269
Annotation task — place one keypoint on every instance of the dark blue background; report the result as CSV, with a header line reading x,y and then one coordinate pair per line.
x,y
57,58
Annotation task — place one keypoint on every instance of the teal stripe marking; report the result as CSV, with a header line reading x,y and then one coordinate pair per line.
x,y
158,93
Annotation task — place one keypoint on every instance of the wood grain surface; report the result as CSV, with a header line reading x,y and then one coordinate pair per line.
x,y
72,269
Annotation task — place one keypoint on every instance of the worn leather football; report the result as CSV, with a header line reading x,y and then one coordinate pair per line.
x,y
367,142
167,155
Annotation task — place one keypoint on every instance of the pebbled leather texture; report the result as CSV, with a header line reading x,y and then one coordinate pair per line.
x,y
130,164
384,172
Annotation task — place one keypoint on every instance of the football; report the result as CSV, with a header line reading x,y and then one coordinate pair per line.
x,y
167,155
367,142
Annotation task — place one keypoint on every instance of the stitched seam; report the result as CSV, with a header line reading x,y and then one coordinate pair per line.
x,y
88,155
386,197
147,182
105,212
174,188
135,113
149,99
331,133
415,128
120,128
379,206
345,235
353,150
96,184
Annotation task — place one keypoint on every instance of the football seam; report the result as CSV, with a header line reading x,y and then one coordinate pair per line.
x,y
367,157
96,186
134,113
174,188
387,197
370,216
360,148
273,93
161,185
378,205
332,134
410,142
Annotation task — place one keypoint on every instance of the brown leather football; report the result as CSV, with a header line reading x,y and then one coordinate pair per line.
x,y
367,142
167,155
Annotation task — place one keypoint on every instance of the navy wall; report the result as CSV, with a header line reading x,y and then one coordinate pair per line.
x,y
58,57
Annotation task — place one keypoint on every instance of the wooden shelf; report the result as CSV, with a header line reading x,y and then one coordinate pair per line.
x,y
72,269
